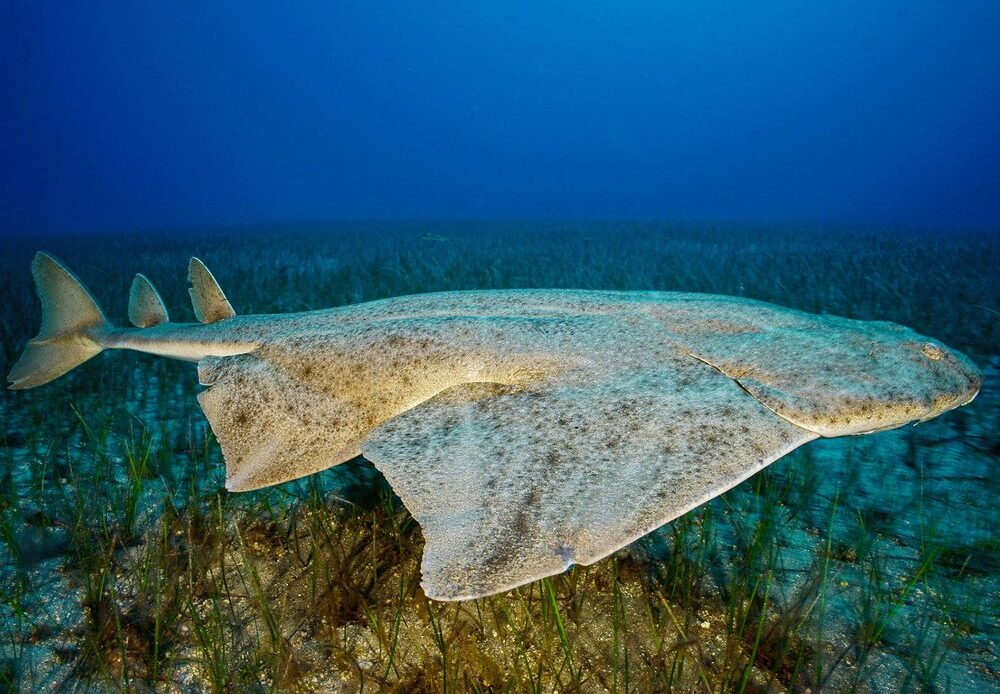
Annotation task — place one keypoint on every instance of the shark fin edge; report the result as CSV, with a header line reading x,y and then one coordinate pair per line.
x,y
207,298
145,306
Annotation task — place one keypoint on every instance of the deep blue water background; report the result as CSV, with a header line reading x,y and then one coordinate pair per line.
x,y
123,115
835,157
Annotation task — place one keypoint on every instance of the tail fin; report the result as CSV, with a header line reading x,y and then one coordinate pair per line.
x,y
69,318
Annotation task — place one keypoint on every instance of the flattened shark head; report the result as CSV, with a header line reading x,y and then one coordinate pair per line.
x,y
835,376
921,378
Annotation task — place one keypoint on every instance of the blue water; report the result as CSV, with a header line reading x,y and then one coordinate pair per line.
x,y
153,115
837,158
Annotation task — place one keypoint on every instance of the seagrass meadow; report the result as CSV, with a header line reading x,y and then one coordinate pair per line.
x,y
854,564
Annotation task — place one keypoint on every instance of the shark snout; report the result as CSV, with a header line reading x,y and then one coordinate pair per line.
x,y
959,381
968,374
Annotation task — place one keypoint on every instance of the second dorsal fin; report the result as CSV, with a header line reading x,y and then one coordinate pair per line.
x,y
210,304
145,307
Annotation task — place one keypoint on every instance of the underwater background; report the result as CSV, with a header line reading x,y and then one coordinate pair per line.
x,y
837,158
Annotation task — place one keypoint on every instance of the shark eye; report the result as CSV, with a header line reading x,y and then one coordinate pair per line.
x,y
932,352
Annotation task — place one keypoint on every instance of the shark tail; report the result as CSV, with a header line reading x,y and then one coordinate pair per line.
x,y
71,323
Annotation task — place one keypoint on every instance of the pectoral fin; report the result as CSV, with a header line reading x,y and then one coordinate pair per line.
x,y
510,484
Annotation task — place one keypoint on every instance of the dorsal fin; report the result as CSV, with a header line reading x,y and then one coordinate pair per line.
x,y
210,304
145,307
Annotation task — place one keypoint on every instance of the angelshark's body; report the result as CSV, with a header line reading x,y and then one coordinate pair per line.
x,y
525,430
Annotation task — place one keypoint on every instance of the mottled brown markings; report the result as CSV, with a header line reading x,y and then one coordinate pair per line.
x,y
375,365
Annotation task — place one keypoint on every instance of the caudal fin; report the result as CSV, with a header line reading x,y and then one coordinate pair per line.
x,y
70,319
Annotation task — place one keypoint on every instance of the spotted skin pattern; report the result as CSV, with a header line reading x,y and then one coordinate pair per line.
x,y
525,430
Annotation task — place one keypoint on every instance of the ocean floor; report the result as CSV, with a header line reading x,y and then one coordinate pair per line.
x,y
867,564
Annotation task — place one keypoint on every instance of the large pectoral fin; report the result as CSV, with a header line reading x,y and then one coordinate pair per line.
x,y
272,427
511,484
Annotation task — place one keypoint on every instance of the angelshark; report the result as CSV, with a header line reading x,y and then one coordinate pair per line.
x,y
525,430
